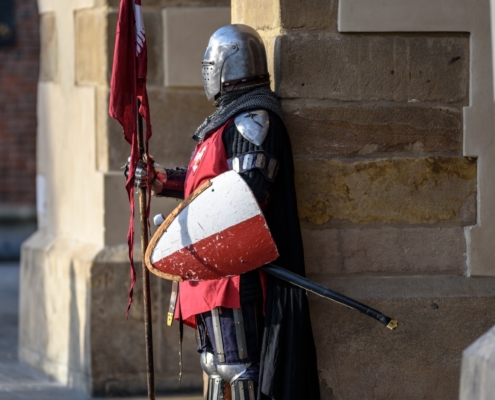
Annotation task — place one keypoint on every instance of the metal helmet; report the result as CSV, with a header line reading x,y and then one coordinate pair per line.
x,y
235,58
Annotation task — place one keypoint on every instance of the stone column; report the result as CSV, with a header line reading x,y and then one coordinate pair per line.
x,y
386,187
478,369
74,269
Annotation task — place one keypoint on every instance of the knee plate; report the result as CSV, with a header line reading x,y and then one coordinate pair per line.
x,y
208,365
216,389
230,372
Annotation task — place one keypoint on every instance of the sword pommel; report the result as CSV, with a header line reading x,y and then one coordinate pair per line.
x,y
392,324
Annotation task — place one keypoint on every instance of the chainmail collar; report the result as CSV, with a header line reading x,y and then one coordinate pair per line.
x,y
232,103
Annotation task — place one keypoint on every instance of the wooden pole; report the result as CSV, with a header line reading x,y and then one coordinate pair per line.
x,y
148,327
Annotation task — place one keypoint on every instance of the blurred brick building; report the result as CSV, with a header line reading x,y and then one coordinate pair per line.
x,y
19,70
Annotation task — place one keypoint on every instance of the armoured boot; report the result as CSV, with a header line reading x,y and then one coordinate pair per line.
x,y
216,385
244,389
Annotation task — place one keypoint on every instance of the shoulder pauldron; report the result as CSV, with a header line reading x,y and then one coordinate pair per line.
x,y
253,125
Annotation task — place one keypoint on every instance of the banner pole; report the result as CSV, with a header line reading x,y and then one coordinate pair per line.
x,y
148,327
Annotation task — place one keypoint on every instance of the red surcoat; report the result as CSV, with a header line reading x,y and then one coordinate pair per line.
x,y
208,161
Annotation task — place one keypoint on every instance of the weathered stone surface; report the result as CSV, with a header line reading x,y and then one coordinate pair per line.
x,y
176,114
409,190
91,53
370,67
358,358
101,123
78,294
186,34
478,369
355,129
178,3
124,372
260,14
315,14
49,49
384,250
396,250
154,42
288,14
154,39
55,308
322,251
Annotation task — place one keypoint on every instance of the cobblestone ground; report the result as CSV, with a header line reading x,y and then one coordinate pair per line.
x,y
18,381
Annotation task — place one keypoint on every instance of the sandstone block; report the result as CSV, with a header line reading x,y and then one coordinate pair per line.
x,y
91,53
186,34
407,190
178,3
358,358
371,67
385,249
313,14
260,14
49,47
73,327
374,129
372,250
288,14
404,250
478,369
322,251
154,39
124,372
55,308
102,120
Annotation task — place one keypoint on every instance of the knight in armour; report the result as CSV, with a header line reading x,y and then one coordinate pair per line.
x,y
254,330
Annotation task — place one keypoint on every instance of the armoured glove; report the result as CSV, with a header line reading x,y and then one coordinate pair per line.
x,y
158,178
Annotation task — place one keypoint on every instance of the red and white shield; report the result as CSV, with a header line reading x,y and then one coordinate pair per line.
x,y
217,232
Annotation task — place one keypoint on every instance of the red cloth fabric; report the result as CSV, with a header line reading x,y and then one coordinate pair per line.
x,y
173,185
208,161
128,84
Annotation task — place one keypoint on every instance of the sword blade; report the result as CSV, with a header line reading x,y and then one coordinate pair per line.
x,y
310,286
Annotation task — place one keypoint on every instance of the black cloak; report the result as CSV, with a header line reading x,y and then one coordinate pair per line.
x,y
288,369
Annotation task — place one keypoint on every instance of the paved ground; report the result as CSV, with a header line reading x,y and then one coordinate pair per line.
x,y
18,381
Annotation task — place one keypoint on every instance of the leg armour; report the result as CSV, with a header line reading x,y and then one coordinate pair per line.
x,y
229,345
216,385
231,334
244,389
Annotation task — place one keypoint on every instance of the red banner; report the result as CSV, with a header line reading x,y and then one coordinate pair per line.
x,y
128,84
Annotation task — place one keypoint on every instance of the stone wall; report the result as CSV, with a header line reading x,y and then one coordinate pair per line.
x,y
385,187
75,269
392,137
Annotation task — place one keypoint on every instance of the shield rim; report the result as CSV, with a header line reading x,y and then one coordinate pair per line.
x,y
163,227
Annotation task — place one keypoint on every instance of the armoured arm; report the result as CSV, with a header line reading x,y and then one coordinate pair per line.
x,y
164,182
252,145
252,149
171,183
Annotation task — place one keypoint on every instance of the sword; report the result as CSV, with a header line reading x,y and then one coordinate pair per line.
x,y
306,284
